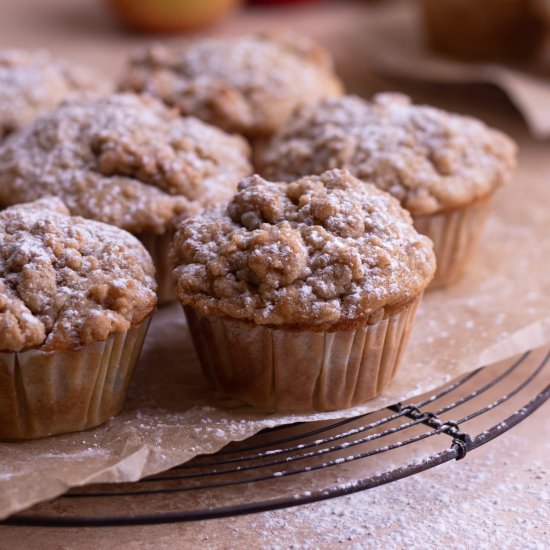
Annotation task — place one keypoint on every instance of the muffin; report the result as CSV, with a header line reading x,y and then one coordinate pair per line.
x,y
246,84
33,83
484,29
442,167
75,300
125,160
302,296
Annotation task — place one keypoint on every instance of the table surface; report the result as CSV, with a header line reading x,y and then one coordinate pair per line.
x,y
493,499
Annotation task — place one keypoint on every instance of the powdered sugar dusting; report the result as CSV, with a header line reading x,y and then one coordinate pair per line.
x,y
321,250
249,84
33,83
66,282
124,160
427,158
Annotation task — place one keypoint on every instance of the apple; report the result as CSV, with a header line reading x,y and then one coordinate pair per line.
x,y
170,15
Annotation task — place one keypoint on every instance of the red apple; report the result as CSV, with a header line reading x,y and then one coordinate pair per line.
x,y
170,15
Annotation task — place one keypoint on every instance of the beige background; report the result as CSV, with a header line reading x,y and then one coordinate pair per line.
x,y
493,499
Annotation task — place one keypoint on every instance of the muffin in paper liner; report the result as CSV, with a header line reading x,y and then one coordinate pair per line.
x,y
330,370
301,296
76,297
158,247
441,166
50,393
455,234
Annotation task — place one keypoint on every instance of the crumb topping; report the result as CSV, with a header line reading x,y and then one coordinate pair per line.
x,y
430,160
66,281
247,84
124,159
33,83
323,250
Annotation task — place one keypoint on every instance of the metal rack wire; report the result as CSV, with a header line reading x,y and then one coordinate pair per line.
x,y
309,462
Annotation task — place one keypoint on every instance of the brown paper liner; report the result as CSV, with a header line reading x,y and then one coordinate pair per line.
x,y
49,393
287,370
455,235
158,247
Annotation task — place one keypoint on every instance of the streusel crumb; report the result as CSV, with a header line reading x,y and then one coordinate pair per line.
x,y
246,84
429,159
66,281
320,251
33,83
125,160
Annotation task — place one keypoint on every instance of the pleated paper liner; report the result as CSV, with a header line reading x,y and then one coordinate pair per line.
x,y
158,247
455,235
49,393
291,370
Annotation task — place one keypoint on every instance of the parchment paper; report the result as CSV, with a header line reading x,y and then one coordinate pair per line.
x,y
502,308
395,44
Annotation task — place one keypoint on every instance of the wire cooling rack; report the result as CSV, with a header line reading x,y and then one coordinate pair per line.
x,y
308,462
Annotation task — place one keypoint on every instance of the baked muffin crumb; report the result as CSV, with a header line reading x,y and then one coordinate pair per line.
x,y
123,159
33,83
429,159
323,251
65,281
248,84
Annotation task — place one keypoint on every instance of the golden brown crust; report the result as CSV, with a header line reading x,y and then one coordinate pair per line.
x,y
124,159
33,83
65,281
323,251
246,84
430,160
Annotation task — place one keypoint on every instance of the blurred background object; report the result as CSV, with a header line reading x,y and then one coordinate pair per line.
x,y
544,9
485,29
166,16
282,2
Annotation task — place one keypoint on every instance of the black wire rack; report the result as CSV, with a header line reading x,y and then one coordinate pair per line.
x,y
309,462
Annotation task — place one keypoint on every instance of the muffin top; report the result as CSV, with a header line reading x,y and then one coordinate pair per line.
x,y
66,281
124,159
429,159
33,83
247,84
325,251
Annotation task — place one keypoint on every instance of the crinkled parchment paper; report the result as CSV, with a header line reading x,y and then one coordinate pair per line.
x,y
502,308
396,46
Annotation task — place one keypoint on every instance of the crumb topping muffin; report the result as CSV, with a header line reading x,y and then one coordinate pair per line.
x,y
65,281
429,159
33,83
124,159
246,84
325,251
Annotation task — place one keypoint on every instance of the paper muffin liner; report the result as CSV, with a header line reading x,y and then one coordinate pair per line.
x,y
158,247
455,235
49,393
291,370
